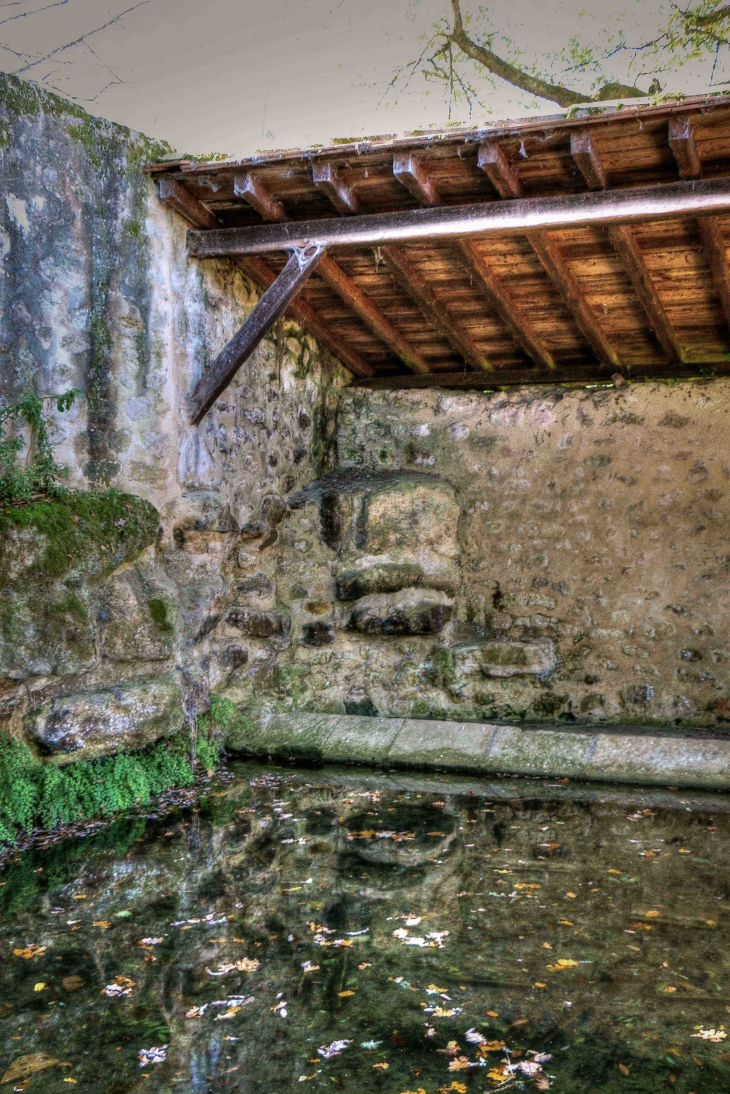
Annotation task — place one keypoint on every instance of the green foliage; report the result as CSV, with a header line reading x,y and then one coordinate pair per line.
x,y
221,716
38,794
38,474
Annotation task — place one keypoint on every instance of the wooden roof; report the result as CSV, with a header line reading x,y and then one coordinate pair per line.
x,y
578,303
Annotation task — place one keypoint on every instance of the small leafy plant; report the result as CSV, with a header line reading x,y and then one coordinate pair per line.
x,y
37,475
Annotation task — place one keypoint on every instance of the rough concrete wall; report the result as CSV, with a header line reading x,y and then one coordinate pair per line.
x,y
593,520
97,293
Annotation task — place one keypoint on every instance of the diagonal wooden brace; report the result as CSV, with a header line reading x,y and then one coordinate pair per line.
x,y
270,307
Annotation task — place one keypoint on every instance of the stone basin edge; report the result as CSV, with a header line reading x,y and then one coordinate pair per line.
x,y
616,754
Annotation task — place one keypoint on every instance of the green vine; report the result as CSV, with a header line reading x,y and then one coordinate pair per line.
x,y
37,475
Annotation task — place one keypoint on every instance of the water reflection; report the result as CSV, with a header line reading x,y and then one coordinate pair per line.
x,y
346,930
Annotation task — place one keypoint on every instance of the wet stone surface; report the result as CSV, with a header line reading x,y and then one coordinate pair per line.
x,y
362,932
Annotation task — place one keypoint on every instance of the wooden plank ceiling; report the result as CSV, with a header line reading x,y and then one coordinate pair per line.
x,y
578,304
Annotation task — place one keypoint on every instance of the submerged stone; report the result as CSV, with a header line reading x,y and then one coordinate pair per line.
x,y
410,612
130,716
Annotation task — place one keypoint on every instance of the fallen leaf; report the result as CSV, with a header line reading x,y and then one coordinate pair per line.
x,y
571,895
567,923
68,1079
103,923
624,1069
539,985
72,983
30,951
493,1013
344,994
28,1065
652,914
711,1035
561,964
40,986
381,1067
498,1075
365,965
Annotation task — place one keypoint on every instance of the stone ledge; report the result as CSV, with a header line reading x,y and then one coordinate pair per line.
x,y
643,756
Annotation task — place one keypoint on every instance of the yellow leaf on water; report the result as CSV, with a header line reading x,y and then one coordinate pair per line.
x,y
381,1067
493,1013
539,985
30,951
28,1065
68,1079
344,994
294,889
498,1075
527,885
567,923
40,986
103,923
571,895
562,963
652,914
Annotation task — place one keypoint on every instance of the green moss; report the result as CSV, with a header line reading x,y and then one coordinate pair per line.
x,y
79,525
158,611
69,606
34,793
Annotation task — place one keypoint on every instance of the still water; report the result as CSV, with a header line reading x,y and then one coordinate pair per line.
x,y
347,930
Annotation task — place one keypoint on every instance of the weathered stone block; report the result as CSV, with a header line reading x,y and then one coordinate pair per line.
x,y
259,624
318,634
497,658
136,621
410,612
130,716
373,575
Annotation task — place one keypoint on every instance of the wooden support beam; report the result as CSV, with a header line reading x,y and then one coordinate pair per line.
x,y
587,158
624,242
416,285
629,206
504,304
250,187
683,143
413,174
493,162
327,178
684,146
177,197
334,276
270,307
572,293
715,248
579,374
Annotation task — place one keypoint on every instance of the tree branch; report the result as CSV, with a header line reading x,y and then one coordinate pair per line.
x,y
534,85
82,38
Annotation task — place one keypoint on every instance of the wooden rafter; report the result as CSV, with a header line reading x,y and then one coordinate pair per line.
x,y
683,143
624,242
177,197
269,209
415,284
493,160
413,173
327,178
633,205
404,272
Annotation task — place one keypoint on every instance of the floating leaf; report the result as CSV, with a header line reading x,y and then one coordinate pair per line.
x,y
28,1065
561,964
29,952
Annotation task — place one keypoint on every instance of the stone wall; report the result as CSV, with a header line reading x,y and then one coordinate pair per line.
x,y
539,555
97,293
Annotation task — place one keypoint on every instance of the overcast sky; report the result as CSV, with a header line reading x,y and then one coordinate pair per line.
x,y
235,76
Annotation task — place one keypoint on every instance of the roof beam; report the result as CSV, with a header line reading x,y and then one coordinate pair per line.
x,y
683,143
413,173
493,160
437,313
405,273
175,195
573,374
270,307
632,205
684,146
333,275
572,293
624,242
587,159
327,178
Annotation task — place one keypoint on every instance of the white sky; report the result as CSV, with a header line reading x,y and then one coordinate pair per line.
x,y
235,76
